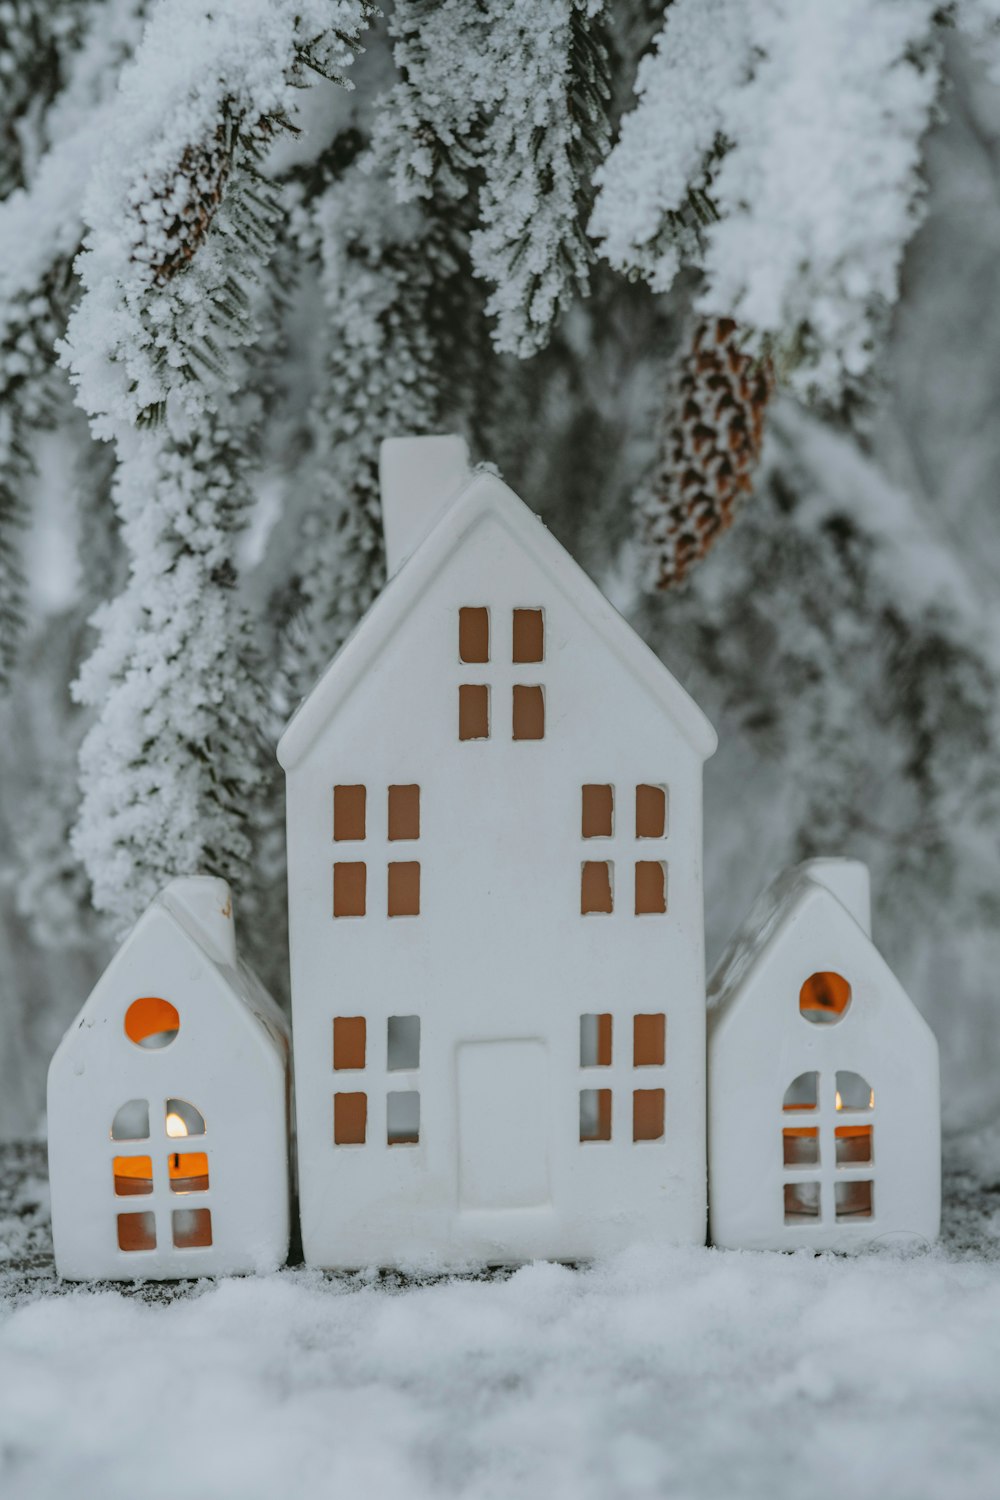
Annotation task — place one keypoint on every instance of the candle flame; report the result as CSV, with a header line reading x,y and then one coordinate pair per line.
x,y
839,1101
176,1126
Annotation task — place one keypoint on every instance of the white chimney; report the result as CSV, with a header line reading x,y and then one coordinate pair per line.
x,y
418,476
849,881
204,904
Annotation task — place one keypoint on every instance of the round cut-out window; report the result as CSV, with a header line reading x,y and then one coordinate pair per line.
x,y
151,1022
824,998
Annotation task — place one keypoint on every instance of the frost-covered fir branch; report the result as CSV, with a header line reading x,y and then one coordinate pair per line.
x,y
40,231
170,769
507,101
181,217
781,158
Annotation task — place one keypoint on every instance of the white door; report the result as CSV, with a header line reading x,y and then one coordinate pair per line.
x,y
503,1124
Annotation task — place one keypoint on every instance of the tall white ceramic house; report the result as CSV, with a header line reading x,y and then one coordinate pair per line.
x,y
824,1098
168,1106
495,846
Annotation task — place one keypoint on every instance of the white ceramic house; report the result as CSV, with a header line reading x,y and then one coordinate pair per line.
x,y
824,1096
495,893
168,1106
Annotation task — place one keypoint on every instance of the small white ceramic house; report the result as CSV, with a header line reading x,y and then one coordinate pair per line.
x,y
824,1098
495,898
168,1106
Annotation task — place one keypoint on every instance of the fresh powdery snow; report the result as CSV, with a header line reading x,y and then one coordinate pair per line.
x,y
687,1373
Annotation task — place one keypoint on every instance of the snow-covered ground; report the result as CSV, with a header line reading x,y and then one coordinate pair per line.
x,y
681,1373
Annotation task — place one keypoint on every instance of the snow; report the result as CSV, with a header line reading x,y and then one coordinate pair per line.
x,y
681,1372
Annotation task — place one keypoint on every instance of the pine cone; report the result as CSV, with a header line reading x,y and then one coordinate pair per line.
x,y
710,448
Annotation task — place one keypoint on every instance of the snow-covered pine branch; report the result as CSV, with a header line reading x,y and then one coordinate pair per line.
x,y
172,764
772,151
507,101
180,218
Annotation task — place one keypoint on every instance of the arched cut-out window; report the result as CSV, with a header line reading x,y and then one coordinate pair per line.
x,y
182,1119
131,1123
824,998
802,1092
854,1092
151,1022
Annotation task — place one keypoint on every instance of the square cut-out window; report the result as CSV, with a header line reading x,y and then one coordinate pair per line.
x,y
853,1200
595,1041
133,1176
801,1202
529,712
596,886
348,812
598,819
349,881
188,1171
136,1231
350,1119
650,812
647,1114
403,1044
402,1117
404,888
349,1037
192,1228
800,1147
649,1040
404,812
529,635
854,1145
474,634
595,1114
473,711
650,887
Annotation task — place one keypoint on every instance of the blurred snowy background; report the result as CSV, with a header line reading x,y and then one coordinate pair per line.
x,y
280,271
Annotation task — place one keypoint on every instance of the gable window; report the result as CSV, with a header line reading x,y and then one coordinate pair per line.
x,y
349,812
827,1155
527,699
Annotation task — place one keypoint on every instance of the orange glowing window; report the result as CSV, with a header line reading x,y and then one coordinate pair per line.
x,y
529,635
595,1114
349,881
474,634
404,812
192,1228
151,1022
800,1146
349,812
854,1145
649,1040
473,711
188,1171
597,821
133,1176
350,1119
801,1202
824,997
529,712
404,888
650,812
647,1114
650,887
596,886
136,1232
349,1036
595,1041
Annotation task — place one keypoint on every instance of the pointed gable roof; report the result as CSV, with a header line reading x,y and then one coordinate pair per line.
x,y
486,497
